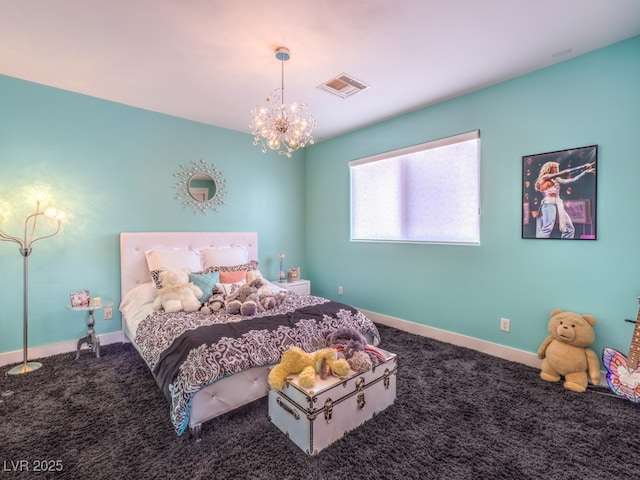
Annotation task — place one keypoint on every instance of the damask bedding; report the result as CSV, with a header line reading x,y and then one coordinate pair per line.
x,y
187,352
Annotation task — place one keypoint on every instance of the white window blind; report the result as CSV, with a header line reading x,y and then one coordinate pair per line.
x,y
425,193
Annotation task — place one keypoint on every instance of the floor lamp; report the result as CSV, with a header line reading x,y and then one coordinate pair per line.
x,y
25,243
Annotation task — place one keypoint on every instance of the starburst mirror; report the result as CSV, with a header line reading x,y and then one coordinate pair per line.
x,y
201,187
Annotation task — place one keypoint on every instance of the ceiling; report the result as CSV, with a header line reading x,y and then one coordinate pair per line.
x,y
212,61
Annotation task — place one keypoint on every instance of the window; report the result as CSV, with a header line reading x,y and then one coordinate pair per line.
x,y
425,193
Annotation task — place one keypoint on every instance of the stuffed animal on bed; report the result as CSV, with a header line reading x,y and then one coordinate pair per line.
x,y
564,352
215,303
248,300
262,294
306,365
242,301
177,292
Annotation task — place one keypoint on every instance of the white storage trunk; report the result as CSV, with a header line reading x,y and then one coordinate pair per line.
x,y
313,419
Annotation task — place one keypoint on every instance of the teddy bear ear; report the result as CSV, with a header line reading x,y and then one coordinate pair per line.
x,y
590,320
556,311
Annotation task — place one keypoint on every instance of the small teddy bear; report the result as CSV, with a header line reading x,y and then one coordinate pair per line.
x,y
177,292
250,299
306,365
266,298
242,301
564,352
351,345
214,304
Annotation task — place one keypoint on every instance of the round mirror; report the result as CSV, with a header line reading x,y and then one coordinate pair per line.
x,y
201,187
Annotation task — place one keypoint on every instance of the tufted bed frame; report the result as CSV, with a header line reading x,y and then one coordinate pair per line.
x,y
230,392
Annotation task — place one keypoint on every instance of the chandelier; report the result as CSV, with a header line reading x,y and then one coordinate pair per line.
x,y
277,127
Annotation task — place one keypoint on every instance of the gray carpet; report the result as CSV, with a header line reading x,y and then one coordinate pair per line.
x,y
459,414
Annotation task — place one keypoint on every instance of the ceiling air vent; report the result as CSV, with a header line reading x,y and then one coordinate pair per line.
x,y
343,86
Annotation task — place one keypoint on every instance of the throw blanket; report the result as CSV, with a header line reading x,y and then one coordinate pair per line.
x,y
188,351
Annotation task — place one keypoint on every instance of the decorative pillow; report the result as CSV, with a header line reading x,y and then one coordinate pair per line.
x,y
156,275
223,256
233,277
172,259
206,282
246,267
155,278
229,288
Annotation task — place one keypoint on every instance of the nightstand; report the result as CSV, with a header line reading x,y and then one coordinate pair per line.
x,y
303,287
91,339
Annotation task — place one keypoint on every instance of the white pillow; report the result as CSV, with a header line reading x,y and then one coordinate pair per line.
x,y
223,256
173,259
137,297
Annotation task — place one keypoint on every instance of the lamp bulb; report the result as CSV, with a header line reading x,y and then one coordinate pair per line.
x,y
51,212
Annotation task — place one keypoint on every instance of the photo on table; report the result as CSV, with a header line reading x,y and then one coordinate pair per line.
x,y
80,299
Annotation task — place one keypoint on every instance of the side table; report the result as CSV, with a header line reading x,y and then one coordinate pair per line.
x,y
91,339
303,287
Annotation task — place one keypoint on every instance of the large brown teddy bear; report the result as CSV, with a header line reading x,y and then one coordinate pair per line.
x,y
564,352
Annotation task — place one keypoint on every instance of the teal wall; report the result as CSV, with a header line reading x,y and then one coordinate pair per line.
x,y
592,99
111,167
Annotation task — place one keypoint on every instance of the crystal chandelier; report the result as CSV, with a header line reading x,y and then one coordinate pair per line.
x,y
280,128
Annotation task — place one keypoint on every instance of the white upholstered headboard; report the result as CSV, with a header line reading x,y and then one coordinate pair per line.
x,y
133,263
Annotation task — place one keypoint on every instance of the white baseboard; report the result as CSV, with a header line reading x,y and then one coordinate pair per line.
x,y
10,358
496,350
508,353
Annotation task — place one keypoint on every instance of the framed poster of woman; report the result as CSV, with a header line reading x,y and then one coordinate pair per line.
x,y
559,194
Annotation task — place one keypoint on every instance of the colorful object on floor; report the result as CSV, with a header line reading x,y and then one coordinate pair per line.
x,y
623,374
564,352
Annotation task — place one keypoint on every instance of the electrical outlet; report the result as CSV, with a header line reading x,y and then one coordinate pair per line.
x,y
505,324
340,290
108,313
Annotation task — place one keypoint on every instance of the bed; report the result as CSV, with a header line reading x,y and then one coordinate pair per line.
x,y
208,364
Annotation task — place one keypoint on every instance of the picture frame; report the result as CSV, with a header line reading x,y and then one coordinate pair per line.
x,y
293,275
80,299
559,194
